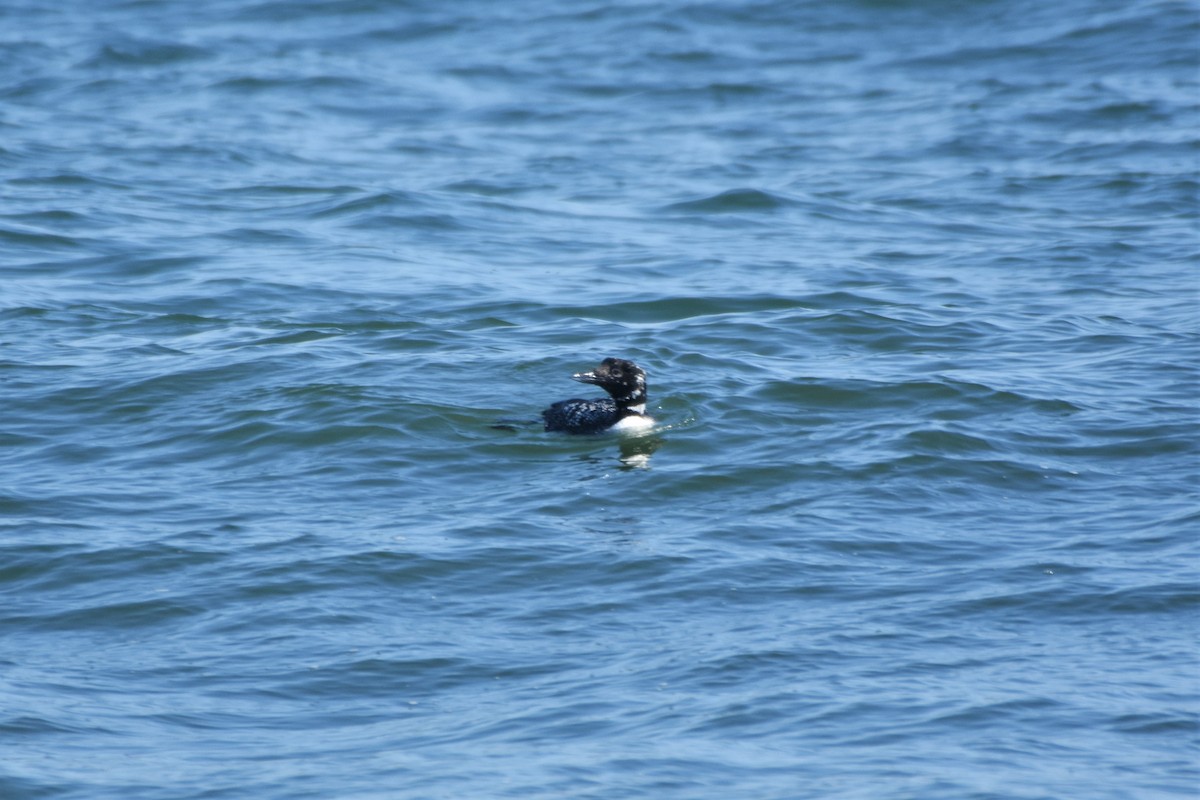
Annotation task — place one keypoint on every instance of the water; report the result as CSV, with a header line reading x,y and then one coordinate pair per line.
x,y
915,285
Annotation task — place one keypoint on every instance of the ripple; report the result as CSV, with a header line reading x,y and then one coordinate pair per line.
x,y
733,201
131,52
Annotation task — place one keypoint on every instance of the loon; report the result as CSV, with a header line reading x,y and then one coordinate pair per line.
x,y
625,410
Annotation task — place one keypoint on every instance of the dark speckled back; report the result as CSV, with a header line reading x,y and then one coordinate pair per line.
x,y
581,416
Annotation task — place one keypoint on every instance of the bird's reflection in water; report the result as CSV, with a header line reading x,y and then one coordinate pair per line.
x,y
636,450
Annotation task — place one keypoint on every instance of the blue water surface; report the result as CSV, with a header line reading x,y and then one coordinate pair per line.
x,y
285,285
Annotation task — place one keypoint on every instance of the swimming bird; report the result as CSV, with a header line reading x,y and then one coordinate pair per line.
x,y
623,410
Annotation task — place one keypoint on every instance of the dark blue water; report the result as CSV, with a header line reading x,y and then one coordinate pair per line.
x,y
916,287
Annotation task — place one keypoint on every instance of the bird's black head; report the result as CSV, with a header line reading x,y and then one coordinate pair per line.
x,y
624,380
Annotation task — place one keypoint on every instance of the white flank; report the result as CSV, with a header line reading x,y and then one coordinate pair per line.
x,y
628,424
